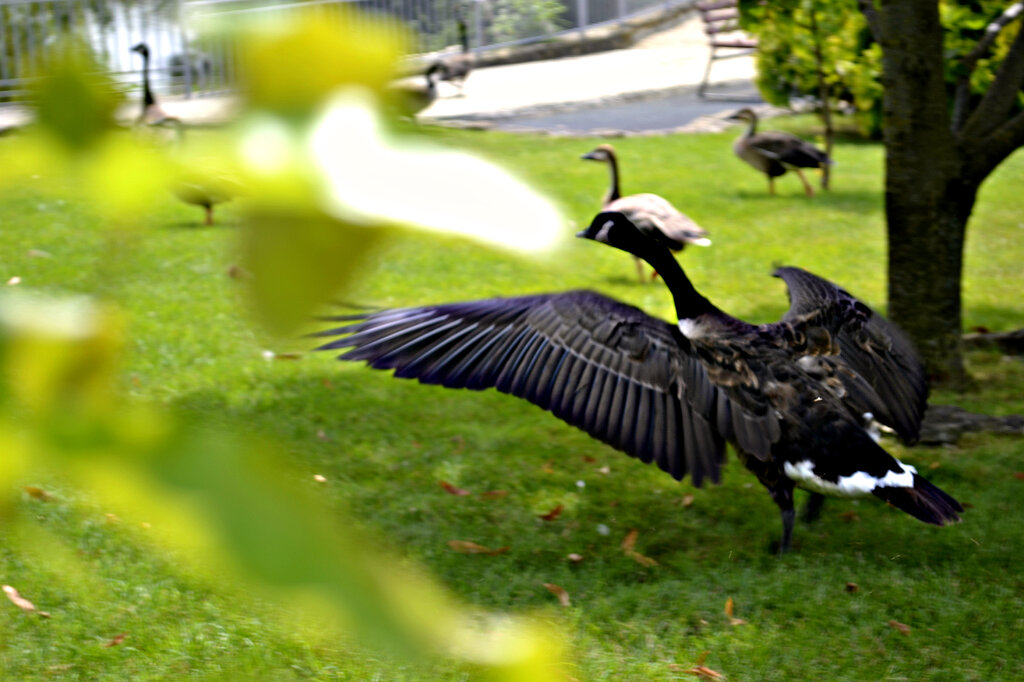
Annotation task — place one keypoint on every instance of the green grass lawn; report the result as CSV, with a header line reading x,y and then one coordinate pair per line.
x,y
384,445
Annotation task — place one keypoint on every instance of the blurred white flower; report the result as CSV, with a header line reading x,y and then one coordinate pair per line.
x,y
370,177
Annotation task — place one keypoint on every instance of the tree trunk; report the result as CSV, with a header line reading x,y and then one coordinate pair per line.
x,y
928,199
925,265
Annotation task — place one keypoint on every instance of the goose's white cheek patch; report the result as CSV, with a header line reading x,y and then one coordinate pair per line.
x,y
858,484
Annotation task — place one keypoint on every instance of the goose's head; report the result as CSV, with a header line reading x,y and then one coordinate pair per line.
x,y
436,73
602,152
745,114
615,229
141,48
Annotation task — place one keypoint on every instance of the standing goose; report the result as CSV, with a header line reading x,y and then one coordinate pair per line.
x,y
152,114
651,214
773,152
791,396
458,66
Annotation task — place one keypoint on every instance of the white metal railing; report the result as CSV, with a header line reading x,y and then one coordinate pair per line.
x,y
188,60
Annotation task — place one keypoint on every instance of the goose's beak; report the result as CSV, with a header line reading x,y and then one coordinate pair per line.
x,y
589,156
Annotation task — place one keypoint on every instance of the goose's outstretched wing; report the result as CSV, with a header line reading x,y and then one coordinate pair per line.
x,y
624,377
875,361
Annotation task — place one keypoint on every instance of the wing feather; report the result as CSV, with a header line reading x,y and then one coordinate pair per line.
x,y
874,360
609,369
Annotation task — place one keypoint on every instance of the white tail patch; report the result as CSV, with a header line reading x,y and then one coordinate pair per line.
x,y
703,241
858,484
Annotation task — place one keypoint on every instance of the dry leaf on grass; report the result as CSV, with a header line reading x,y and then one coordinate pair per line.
x,y
851,587
553,514
729,607
38,493
563,596
1019,475
548,467
467,547
704,672
574,557
117,639
452,490
460,444
627,546
238,272
642,560
493,494
902,628
687,500
319,478
849,516
605,470
21,602
699,669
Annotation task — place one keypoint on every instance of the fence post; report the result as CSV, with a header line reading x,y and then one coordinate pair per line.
x,y
478,24
185,52
581,16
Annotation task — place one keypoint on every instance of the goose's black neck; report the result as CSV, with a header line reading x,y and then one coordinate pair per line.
x,y
688,301
613,169
148,99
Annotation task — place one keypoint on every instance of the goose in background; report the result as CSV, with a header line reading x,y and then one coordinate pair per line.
x,y
205,191
791,396
650,213
456,67
773,152
152,114
409,97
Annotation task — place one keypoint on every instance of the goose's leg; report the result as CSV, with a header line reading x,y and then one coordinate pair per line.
x,y
782,493
771,185
209,215
788,515
640,271
808,190
812,510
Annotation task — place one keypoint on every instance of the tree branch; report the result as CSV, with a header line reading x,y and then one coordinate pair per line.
x,y
1000,97
997,146
969,61
870,12
991,32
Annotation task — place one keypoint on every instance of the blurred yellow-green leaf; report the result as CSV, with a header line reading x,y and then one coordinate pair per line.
x,y
58,355
298,260
290,68
74,98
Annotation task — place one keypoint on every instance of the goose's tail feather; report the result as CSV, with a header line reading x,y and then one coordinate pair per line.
x,y
924,501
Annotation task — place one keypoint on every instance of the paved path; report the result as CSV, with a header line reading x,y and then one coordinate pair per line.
x,y
648,87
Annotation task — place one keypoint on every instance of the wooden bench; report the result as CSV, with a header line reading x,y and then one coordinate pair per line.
x,y
722,25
